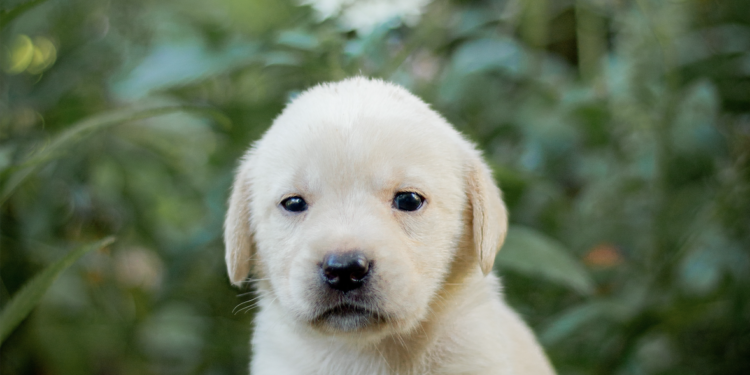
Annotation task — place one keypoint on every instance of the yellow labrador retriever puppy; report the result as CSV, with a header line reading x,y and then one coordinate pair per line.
x,y
370,226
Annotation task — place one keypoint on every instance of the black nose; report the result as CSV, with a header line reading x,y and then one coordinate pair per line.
x,y
345,271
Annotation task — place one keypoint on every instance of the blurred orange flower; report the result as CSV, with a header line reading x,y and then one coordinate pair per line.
x,y
604,255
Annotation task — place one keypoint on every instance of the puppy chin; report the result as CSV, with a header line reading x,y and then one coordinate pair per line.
x,y
346,318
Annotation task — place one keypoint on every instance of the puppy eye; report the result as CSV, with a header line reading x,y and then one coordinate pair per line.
x,y
294,204
407,201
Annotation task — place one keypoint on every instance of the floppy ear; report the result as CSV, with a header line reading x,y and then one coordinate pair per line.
x,y
238,239
489,215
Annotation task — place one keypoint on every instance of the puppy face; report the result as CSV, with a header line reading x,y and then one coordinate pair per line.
x,y
353,207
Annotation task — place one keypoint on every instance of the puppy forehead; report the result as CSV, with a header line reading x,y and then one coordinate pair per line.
x,y
359,132
330,157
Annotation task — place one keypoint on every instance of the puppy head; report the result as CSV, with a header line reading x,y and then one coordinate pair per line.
x,y
353,206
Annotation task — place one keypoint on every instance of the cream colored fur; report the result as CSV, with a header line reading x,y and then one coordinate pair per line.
x,y
347,148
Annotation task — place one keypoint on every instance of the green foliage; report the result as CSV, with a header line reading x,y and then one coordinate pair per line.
x,y
76,132
619,132
26,298
530,252
9,12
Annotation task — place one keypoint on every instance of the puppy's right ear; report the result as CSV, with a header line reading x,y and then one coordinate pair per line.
x,y
490,217
238,239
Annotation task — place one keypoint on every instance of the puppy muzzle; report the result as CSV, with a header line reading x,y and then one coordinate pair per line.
x,y
345,300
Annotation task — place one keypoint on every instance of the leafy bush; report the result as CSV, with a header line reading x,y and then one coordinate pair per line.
x,y
618,130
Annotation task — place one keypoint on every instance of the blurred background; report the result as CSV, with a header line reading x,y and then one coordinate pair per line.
x,y
619,131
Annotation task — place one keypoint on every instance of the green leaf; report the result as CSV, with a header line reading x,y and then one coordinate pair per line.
x,y
531,252
621,308
488,54
76,132
298,39
9,13
30,294
571,320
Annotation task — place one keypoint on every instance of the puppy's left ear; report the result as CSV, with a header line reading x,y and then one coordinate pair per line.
x,y
489,215
238,239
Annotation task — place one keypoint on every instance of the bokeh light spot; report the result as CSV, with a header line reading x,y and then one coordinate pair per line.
x,y
45,55
29,56
20,56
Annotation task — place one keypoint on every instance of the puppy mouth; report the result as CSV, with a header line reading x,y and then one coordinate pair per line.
x,y
345,309
348,317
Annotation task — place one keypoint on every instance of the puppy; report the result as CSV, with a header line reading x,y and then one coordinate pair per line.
x,y
370,226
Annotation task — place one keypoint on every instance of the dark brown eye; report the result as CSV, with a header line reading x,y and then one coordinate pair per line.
x,y
407,201
294,204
